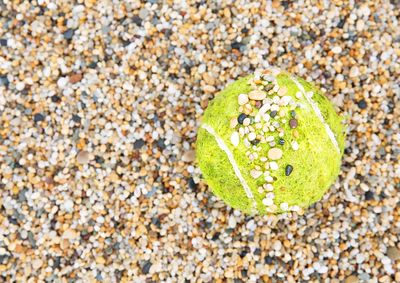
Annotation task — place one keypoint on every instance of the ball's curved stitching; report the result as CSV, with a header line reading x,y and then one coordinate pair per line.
x,y
232,160
317,111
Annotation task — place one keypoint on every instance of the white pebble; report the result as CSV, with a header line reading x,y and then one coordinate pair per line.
x,y
273,165
336,49
243,99
284,206
285,100
235,139
268,202
20,86
295,145
62,82
252,136
255,174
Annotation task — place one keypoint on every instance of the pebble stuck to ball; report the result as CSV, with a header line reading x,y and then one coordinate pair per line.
x,y
270,143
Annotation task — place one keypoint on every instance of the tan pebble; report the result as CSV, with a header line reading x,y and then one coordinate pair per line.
x,y
257,95
282,91
233,122
295,134
351,279
69,234
100,260
275,153
83,157
189,156
282,113
397,277
209,89
247,109
243,99
393,253
75,78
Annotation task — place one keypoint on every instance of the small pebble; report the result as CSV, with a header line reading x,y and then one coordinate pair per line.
x,y
295,145
38,117
275,153
288,170
252,136
362,104
282,91
293,123
255,174
257,95
273,165
273,113
393,253
235,139
233,122
243,99
281,141
241,118
83,157
246,122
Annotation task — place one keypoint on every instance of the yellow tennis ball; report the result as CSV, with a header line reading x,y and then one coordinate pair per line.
x,y
270,143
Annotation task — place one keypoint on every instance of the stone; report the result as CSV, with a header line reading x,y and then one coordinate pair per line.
x,y
189,156
235,139
257,95
275,153
243,99
82,157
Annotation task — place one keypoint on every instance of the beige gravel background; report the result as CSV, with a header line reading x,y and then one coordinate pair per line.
x,y
100,102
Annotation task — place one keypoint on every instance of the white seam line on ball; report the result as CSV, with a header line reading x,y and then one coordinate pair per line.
x,y
232,160
317,112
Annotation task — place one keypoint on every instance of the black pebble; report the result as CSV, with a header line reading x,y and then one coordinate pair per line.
x,y
55,98
273,113
369,195
281,141
288,170
146,267
293,113
76,118
92,65
161,144
99,159
38,117
241,118
4,81
69,34
192,184
236,45
137,20
268,259
138,144
362,104
341,23
216,236
3,42
255,142
293,123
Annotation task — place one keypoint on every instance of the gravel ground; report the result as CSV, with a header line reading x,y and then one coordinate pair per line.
x,y
100,102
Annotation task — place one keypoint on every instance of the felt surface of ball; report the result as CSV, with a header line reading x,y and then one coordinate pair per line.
x,y
270,143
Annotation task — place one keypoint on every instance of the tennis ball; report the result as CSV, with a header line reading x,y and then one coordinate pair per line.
x,y
270,143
